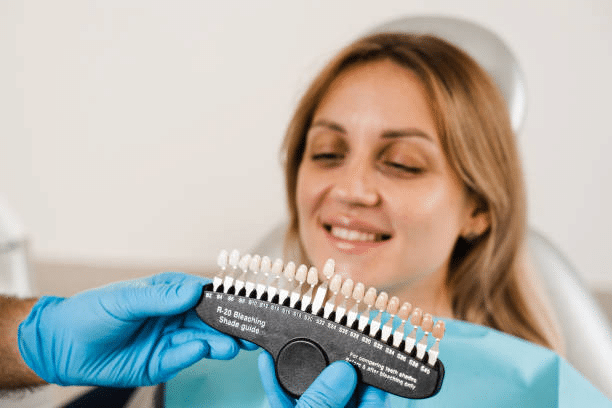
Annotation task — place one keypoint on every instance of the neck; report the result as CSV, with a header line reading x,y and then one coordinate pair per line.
x,y
430,294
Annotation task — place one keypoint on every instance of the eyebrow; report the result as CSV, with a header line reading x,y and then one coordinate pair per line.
x,y
390,134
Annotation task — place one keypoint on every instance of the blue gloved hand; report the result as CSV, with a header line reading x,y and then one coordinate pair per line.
x,y
134,333
333,388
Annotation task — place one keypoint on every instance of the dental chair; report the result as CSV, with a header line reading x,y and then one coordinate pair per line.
x,y
585,328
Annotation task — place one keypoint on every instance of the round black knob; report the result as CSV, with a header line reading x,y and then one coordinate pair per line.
x,y
298,364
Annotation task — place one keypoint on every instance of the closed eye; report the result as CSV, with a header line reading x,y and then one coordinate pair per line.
x,y
327,156
404,168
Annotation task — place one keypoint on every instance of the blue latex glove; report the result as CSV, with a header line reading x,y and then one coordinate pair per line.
x,y
333,388
134,333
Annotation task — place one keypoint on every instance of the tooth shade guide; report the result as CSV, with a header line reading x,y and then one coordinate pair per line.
x,y
261,269
281,323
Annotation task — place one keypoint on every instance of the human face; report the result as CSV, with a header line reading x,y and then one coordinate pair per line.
x,y
374,188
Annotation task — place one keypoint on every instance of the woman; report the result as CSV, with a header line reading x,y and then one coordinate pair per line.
x,y
404,142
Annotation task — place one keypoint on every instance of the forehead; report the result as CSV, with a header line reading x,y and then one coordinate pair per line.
x,y
378,94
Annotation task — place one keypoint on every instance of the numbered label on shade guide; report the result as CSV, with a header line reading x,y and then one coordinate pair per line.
x,y
307,320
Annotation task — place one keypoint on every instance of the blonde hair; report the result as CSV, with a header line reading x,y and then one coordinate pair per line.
x,y
485,277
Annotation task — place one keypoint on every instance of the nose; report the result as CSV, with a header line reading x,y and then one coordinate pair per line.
x,y
354,186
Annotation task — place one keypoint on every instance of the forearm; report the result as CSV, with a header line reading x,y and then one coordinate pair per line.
x,y
14,372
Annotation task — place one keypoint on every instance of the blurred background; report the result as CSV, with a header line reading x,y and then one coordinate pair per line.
x,y
139,136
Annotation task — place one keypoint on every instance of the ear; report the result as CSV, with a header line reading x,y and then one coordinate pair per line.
x,y
478,221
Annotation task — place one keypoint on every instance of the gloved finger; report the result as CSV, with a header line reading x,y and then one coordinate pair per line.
x,y
277,398
366,396
222,347
176,277
247,345
176,358
135,302
332,388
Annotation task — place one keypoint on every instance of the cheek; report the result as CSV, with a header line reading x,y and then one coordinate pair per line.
x,y
429,216
310,191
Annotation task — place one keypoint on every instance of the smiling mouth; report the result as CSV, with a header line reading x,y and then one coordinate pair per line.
x,y
353,235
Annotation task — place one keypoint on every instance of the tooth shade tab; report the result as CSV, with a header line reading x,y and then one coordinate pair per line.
x,y
266,265
234,258
312,279
433,353
336,283
254,264
438,330
313,276
244,262
370,297
277,267
393,305
427,327
404,311
329,268
427,324
301,273
289,271
347,288
417,317
380,305
358,292
364,317
300,276
381,301
222,259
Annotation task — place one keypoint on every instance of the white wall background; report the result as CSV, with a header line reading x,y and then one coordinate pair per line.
x,y
148,131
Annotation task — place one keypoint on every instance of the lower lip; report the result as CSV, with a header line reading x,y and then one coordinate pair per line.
x,y
352,247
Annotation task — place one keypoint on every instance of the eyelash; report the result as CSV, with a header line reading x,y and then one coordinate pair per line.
x,y
332,158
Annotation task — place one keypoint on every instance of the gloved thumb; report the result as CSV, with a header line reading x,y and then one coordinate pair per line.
x,y
333,388
135,300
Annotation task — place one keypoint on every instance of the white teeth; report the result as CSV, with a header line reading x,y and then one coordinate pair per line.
x,y
352,235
